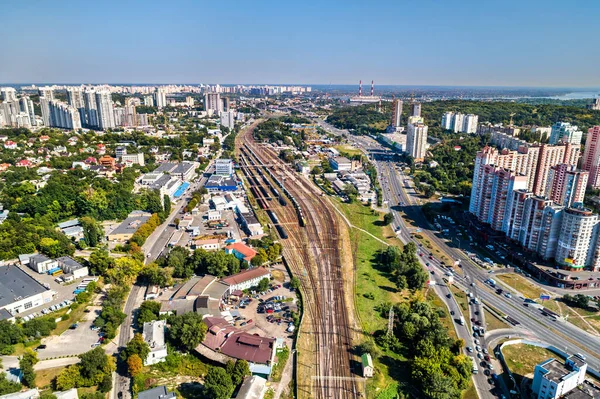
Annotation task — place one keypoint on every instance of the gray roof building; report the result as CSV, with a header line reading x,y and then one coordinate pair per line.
x,y
16,285
157,393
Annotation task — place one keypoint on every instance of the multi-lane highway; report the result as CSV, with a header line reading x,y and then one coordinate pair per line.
x,y
559,333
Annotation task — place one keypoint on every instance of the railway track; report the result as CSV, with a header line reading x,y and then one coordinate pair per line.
x,y
313,251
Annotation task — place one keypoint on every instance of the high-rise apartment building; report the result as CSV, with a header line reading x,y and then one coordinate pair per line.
x,y
47,92
504,182
396,121
533,221
415,109
591,157
565,132
550,156
45,107
75,99
513,220
149,101
62,115
26,106
91,109
8,94
228,119
212,103
416,141
460,123
566,185
106,115
160,98
577,239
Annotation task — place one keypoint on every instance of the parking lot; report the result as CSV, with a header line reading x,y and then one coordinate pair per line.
x,y
63,291
273,324
73,341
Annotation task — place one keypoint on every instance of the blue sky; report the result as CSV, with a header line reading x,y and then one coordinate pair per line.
x,y
418,42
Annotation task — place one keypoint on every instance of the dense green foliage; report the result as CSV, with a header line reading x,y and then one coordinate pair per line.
x,y
187,331
277,129
149,311
140,236
218,384
361,119
14,333
438,369
499,112
201,262
7,386
454,171
578,300
404,266
137,346
95,368
26,363
112,315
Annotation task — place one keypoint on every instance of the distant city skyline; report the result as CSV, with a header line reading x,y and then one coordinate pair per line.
x,y
468,43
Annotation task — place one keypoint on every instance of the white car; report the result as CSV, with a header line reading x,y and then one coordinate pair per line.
x,y
478,348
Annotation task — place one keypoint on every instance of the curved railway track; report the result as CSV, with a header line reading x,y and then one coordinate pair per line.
x,y
315,257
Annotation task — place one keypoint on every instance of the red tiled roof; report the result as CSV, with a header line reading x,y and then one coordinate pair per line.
x,y
242,248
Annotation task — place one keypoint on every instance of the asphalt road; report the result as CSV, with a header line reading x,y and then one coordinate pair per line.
x,y
154,246
561,334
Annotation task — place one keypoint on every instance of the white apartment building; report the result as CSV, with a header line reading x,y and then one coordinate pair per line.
x,y
416,141
553,379
160,98
223,167
565,132
154,335
576,243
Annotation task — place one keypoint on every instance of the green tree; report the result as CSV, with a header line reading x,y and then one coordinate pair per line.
x,y
388,218
218,384
187,331
26,363
100,262
7,386
149,311
240,371
137,346
166,206
68,378
350,191
92,231
263,285
295,283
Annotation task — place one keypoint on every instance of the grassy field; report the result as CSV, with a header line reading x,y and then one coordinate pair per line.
x,y
72,317
521,358
494,323
348,149
44,378
20,348
374,289
522,285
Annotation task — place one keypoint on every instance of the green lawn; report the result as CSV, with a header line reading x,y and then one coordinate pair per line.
x,y
522,359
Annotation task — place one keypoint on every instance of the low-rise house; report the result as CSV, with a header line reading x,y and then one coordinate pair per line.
x,y
246,279
29,394
209,244
129,226
41,263
241,251
10,145
214,215
69,394
72,268
154,335
367,365
159,392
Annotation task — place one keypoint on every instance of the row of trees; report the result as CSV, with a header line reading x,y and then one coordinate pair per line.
x,y
200,262
144,231
15,333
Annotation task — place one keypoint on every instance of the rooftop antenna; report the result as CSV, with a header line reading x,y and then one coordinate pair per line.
x,y
360,89
372,88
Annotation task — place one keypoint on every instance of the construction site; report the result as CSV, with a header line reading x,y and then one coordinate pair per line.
x,y
317,250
